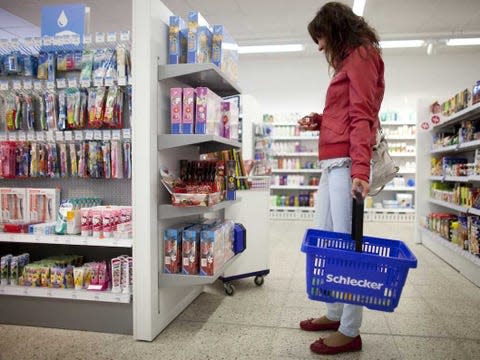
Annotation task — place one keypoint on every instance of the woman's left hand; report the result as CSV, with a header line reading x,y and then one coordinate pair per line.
x,y
360,186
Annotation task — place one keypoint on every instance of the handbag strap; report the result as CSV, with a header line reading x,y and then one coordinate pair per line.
x,y
357,221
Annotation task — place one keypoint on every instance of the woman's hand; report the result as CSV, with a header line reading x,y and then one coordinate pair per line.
x,y
360,186
308,123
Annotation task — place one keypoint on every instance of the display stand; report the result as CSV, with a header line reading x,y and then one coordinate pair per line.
x,y
463,261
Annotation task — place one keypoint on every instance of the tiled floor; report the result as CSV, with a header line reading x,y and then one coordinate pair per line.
x,y
438,317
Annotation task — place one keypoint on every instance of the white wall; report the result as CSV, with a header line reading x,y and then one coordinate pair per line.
x,y
291,83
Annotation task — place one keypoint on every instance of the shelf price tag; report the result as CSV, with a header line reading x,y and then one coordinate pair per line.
x,y
12,136
122,81
59,136
68,136
40,135
27,84
87,39
14,43
17,85
127,134
51,85
97,135
100,37
3,136
107,134
74,295
47,41
98,82
61,83
22,136
37,41
31,136
125,36
37,85
4,43
75,39
116,135
78,135
109,81
72,83
4,85
50,136
112,37
85,83
89,135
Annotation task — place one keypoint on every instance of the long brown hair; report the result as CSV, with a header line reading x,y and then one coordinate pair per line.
x,y
342,30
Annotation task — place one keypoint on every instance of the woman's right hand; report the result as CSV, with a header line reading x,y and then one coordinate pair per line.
x,y
309,123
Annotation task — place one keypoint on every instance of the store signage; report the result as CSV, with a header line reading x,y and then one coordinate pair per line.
x,y
64,20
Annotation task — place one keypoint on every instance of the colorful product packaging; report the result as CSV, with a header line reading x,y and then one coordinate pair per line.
x,y
225,52
14,205
177,41
191,250
230,120
172,240
42,204
188,110
212,255
176,110
5,269
207,114
199,39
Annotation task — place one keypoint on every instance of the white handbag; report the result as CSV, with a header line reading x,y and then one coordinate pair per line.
x,y
383,168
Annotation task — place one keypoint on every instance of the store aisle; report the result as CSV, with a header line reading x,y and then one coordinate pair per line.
x,y
437,318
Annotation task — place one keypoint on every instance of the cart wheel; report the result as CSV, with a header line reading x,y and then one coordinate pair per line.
x,y
229,289
258,280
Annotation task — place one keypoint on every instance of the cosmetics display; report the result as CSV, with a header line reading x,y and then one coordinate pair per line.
x,y
303,199
295,180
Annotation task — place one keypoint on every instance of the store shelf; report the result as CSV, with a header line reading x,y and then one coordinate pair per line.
x,y
294,138
449,205
467,113
170,212
396,123
290,208
295,171
294,187
398,137
296,154
407,171
470,145
468,264
65,240
403,154
206,143
465,179
399,188
195,75
284,124
179,280
68,294
388,211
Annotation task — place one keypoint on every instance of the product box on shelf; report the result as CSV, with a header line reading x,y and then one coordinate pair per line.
x,y
476,93
14,205
199,39
240,238
172,240
225,52
229,123
176,110
42,204
191,250
180,199
177,41
207,114
188,110
212,255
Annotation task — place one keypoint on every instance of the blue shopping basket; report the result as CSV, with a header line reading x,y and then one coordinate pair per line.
x,y
354,269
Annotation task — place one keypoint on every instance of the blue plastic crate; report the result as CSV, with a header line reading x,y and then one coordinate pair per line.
x,y
373,278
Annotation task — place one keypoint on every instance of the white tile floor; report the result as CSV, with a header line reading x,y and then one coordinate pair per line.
x,y
438,317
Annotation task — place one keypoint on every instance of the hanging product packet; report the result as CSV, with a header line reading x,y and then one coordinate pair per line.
x,y
87,66
62,110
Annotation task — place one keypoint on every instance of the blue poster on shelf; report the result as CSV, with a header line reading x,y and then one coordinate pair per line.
x,y
64,20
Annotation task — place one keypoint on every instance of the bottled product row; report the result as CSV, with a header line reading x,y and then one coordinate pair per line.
x,y
201,111
200,43
201,248
295,180
303,199
82,159
68,272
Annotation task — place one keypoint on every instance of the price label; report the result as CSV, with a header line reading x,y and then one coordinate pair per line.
x,y
127,134
74,295
41,135
61,83
51,85
84,241
31,136
72,83
98,82
37,85
85,83
116,135
122,81
49,293
37,238
47,41
22,136
97,135
75,39
68,240
28,84
14,43
78,135
37,41
17,85
68,136
57,40
117,299
12,136
50,136
2,290
108,82
4,43
99,37
3,136
4,85
125,36
96,297
89,135
59,136
28,42
111,37
25,291
107,135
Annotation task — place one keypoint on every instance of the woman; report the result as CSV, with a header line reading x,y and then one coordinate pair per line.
x,y
347,133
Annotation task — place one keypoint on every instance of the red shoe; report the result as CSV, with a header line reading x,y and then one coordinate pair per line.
x,y
309,325
319,347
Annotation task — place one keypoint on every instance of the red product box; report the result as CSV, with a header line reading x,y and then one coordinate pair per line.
x,y
176,110
172,239
212,251
188,110
191,250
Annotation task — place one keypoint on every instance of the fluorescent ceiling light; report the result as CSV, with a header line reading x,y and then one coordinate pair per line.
x,y
359,7
391,44
463,41
258,49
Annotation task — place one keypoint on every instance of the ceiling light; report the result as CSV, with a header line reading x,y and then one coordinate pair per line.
x,y
358,7
391,44
463,41
258,49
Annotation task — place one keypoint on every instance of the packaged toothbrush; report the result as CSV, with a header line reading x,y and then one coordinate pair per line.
x,y
127,160
82,160
52,161
51,61
78,273
30,65
42,71
29,103
42,113
62,148
10,112
117,159
73,108
107,165
100,101
111,65
62,110
23,159
18,112
124,273
82,112
13,63
5,269
34,160
14,270
110,107
87,66
61,61
42,161
51,111
77,60
95,160
73,159
121,63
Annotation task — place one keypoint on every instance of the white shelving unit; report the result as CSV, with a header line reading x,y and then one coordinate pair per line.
x,y
468,264
294,187
296,171
65,240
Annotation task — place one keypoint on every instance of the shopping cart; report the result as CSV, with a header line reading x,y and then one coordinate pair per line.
x,y
354,269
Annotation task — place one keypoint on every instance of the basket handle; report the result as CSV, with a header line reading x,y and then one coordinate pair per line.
x,y
357,221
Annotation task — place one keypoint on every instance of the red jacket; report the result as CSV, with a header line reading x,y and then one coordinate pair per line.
x,y
350,118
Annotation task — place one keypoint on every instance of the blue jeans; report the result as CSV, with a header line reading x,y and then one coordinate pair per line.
x,y
334,213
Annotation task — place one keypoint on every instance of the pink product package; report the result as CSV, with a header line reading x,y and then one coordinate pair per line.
x,y
108,222
97,222
188,110
86,221
207,112
229,121
176,110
